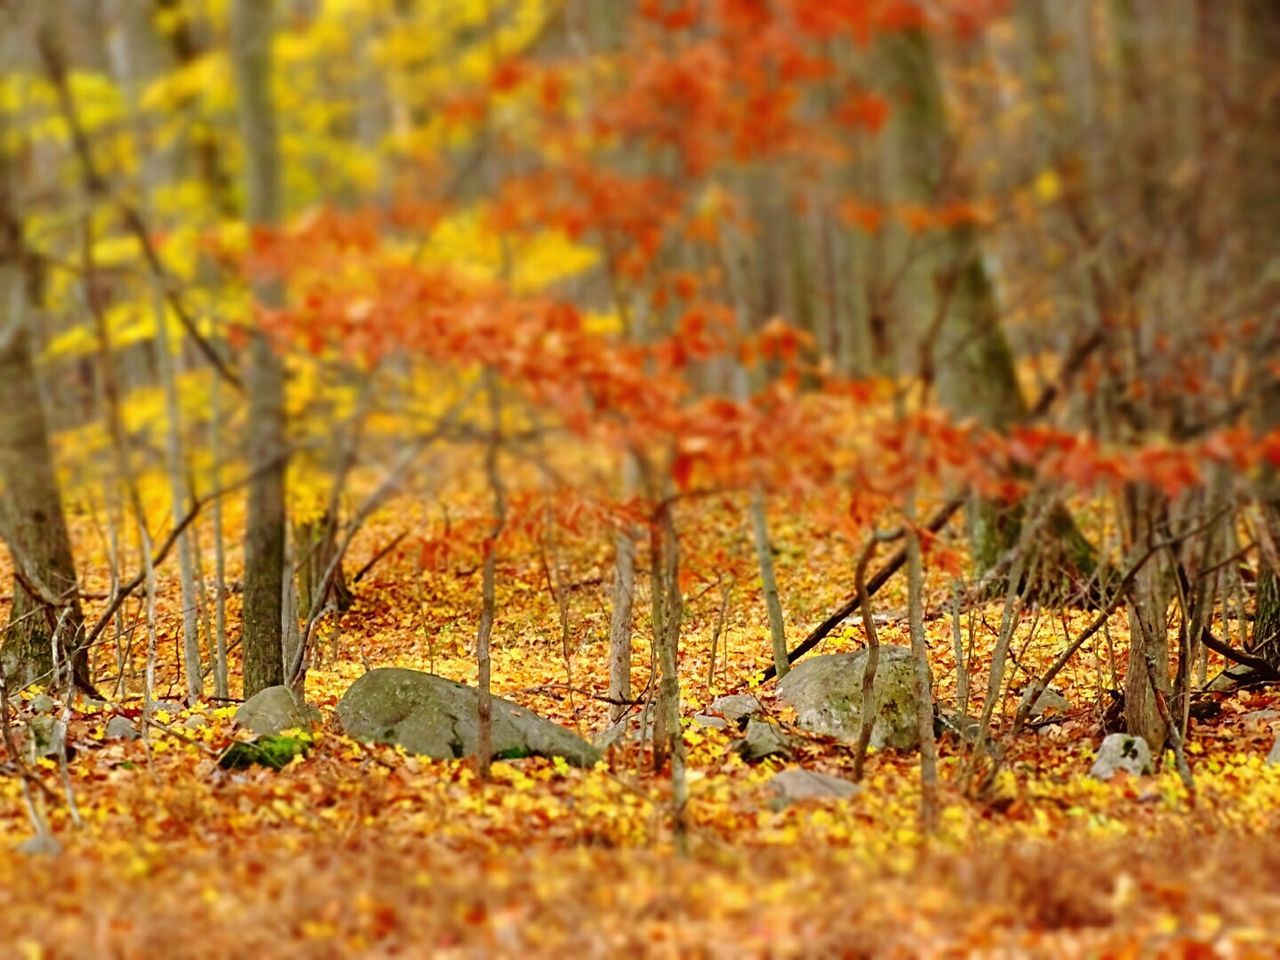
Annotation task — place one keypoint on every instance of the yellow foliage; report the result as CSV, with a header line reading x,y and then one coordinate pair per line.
x,y
466,243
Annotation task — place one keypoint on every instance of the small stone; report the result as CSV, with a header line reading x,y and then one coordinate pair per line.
x,y
800,784
711,723
1273,758
121,728
1121,751
736,706
762,739
41,845
194,722
42,703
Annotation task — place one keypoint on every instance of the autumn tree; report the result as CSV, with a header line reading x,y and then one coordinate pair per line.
x,y
1261,210
42,640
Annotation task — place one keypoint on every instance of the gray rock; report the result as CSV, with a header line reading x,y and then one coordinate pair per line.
x,y
276,708
1120,751
46,737
1273,758
629,728
1261,716
436,717
762,739
40,845
1232,678
42,703
196,721
121,728
797,783
711,723
736,706
826,693
1051,701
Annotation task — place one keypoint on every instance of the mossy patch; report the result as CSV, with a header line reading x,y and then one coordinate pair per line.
x,y
275,751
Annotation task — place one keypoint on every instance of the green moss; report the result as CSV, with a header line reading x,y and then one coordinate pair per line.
x,y
513,753
275,752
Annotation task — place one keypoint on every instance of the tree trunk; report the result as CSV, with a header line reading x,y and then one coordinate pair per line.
x,y
315,545
45,594
963,348
1148,606
251,37
769,582
138,57
1261,196
622,601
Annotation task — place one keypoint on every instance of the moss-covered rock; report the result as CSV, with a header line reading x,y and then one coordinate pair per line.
x,y
435,717
275,751
826,693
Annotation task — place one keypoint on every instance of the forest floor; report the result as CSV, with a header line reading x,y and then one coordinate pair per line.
x,y
365,851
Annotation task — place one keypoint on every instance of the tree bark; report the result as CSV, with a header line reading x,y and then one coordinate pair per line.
x,y
251,37
1261,196
1147,673
963,348
46,599
622,602
316,545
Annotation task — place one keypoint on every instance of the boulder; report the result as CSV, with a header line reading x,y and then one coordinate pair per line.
x,y
121,728
735,707
42,703
711,723
762,739
1051,702
1273,758
274,709
436,717
826,693
1121,751
797,783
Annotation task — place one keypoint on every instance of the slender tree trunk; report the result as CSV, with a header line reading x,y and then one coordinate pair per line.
x,y
624,585
251,36
488,608
929,809
220,671
138,57
769,583
315,546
